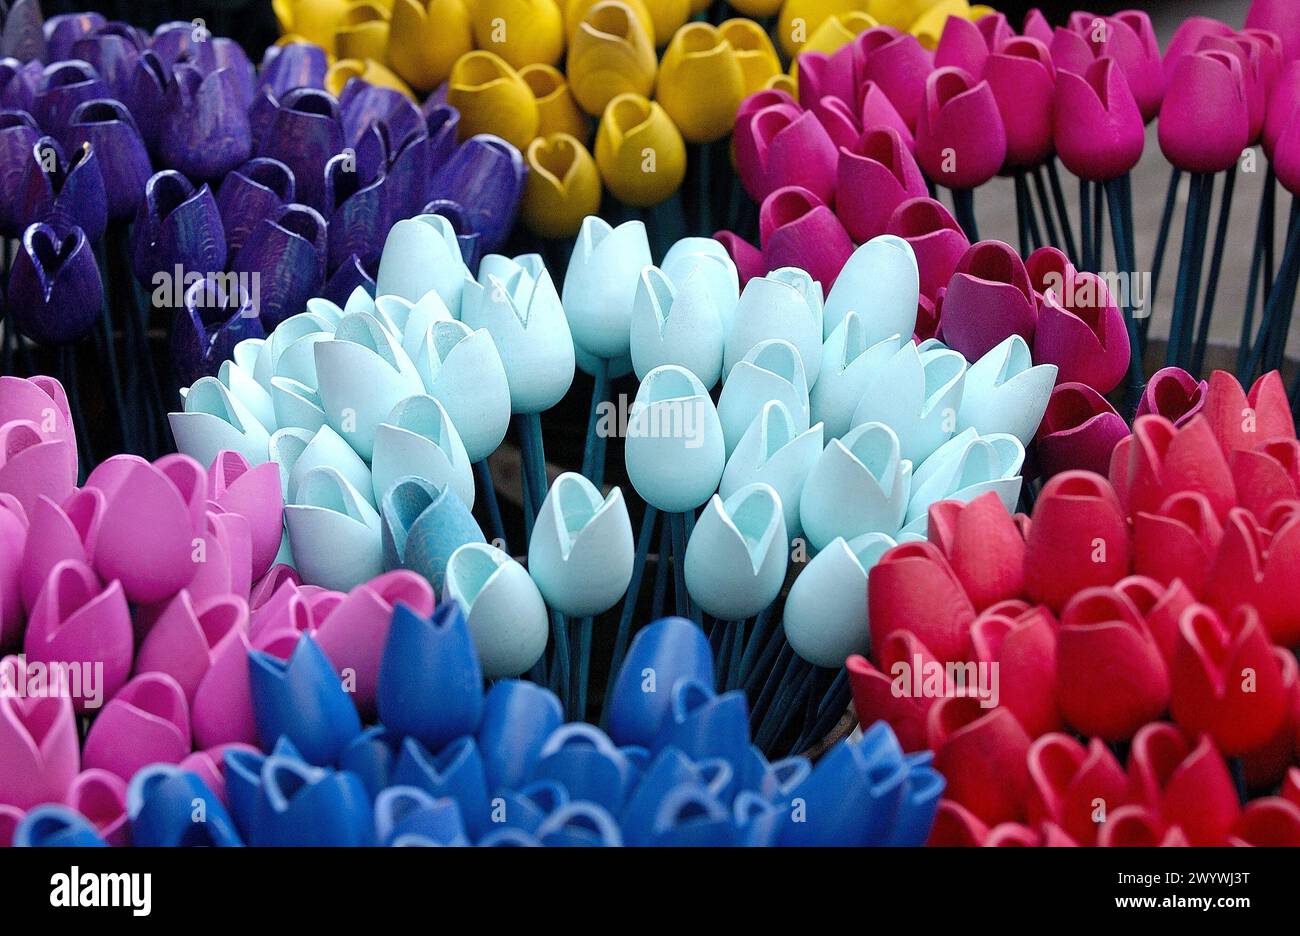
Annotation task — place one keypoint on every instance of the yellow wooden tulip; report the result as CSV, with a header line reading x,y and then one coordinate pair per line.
x,y
344,70
757,9
754,51
557,111
363,32
701,83
425,39
800,19
669,16
611,55
783,83
492,98
523,32
639,151
928,27
563,186
898,13
575,11
837,31
314,20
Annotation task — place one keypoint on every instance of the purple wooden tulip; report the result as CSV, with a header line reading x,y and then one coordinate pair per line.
x,y
486,176
960,139
469,240
68,192
297,65
989,298
173,41
18,134
146,97
304,134
284,255
18,83
796,229
63,30
205,129
250,193
63,86
409,171
441,124
229,55
935,237
362,105
874,176
206,329
113,50
24,35
108,127
176,225
55,293
350,274
359,218
1079,431
1174,394
1023,80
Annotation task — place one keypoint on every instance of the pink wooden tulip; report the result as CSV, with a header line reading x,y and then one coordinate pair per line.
x,y
875,175
792,149
61,532
877,110
255,494
898,64
960,140
1188,37
1023,80
147,722
39,750
989,298
1098,128
34,463
1205,118
1080,429
798,230
1083,334
1281,17
100,796
747,258
13,543
838,120
188,634
1130,40
935,237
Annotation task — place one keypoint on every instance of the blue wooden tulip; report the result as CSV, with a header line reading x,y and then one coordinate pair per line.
x,y
284,254
295,65
1005,392
430,684
18,135
23,35
19,82
584,760
601,283
52,825
64,191
305,132
371,756
205,331
705,259
243,776
63,29
336,536
423,524
757,821
689,815
662,655
580,823
409,810
302,699
145,95
849,362
704,724
170,807
456,772
176,225
670,769
63,86
205,130
962,469
920,801
773,453
852,796
514,811
113,50
486,175
250,193
518,717
55,292
299,804
108,128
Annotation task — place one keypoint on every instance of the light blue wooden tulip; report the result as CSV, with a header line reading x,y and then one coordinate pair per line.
x,y
881,282
418,438
461,368
600,283
772,452
674,448
423,315
423,524
296,405
334,533
772,370
918,396
848,364
706,258
676,324
737,554
327,310
288,333
421,254
505,612
860,484
243,386
516,302
965,467
298,451
363,374
214,420
784,304
581,550
1006,392
826,610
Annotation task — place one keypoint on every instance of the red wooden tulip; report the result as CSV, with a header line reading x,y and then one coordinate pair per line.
x,y
1243,420
1024,650
1139,827
875,691
1177,541
982,754
1186,785
1258,563
983,546
1266,766
955,826
913,588
1268,822
1160,606
1076,788
1079,539
1267,476
1163,461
